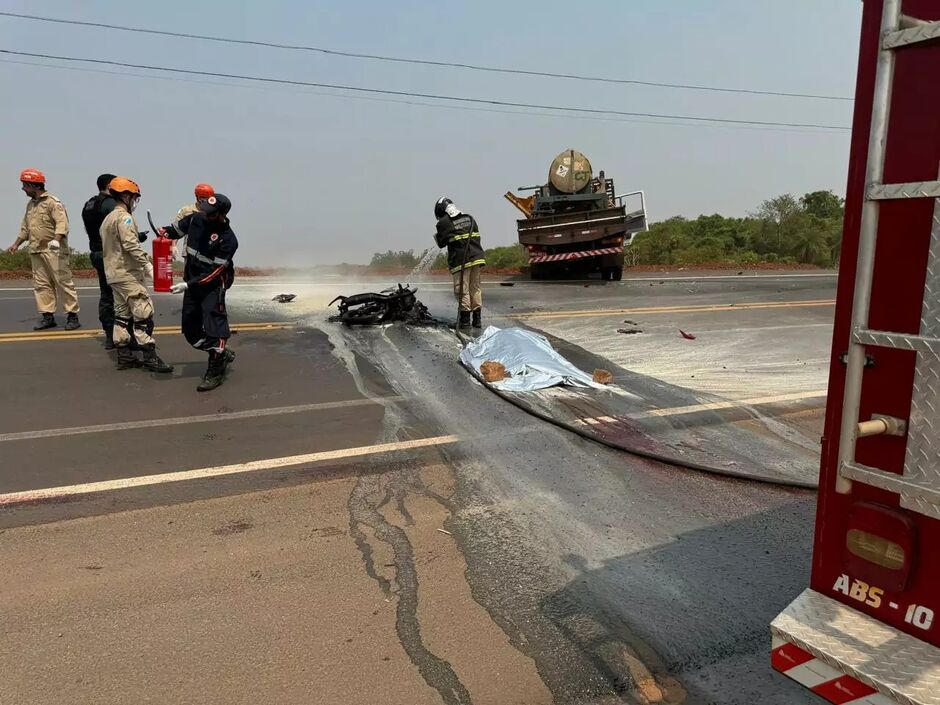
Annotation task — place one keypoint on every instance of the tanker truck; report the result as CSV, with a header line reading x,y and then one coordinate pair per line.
x,y
576,224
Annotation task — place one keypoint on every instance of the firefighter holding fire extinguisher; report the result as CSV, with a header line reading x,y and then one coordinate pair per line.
x,y
208,274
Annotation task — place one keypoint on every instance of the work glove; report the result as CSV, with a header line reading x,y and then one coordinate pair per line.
x,y
142,236
179,288
54,245
149,271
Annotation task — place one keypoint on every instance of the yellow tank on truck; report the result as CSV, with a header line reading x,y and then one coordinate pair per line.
x,y
570,172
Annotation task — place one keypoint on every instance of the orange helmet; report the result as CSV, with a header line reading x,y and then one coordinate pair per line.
x,y
120,184
204,191
32,176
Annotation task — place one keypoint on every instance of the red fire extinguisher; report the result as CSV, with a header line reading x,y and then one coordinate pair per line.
x,y
162,260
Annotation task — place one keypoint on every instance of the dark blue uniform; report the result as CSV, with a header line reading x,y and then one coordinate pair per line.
x,y
208,273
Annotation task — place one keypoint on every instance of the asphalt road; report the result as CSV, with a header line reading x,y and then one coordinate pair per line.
x,y
353,518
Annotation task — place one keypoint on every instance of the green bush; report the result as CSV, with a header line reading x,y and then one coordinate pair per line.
x,y
19,261
784,230
510,257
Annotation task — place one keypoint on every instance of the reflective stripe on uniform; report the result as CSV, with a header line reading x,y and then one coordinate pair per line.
x,y
203,258
465,236
474,263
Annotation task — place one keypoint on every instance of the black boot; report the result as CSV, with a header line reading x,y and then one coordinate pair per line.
x,y
153,362
108,340
126,359
477,318
46,321
463,321
215,372
71,322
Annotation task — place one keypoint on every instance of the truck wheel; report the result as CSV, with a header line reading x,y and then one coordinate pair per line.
x,y
616,274
536,272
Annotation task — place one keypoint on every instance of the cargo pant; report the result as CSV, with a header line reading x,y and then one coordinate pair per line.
x,y
52,280
472,291
205,319
133,315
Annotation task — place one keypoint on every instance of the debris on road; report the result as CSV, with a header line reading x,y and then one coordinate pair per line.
x,y
507,283
631,323
386,306
284,298
603,376
629,331
687,336
493,371
445,531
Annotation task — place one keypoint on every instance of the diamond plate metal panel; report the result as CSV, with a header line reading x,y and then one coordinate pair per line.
x,y
916,189
915,35
898,665
913,495
901,341
922,461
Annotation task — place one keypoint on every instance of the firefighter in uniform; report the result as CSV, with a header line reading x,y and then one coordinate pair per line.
x,y
45,227
208,274
202,192
458,232
127,267
94,212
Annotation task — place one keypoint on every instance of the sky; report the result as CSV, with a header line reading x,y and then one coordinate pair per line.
x,y
322,176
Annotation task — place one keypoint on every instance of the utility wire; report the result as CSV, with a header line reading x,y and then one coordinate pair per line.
x,y
423,62
409,94
439,106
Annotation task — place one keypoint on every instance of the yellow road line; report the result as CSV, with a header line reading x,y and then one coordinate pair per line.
x,y
84,334
708,308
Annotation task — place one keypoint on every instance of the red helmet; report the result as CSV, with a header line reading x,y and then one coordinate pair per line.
x,y
204,191
32,176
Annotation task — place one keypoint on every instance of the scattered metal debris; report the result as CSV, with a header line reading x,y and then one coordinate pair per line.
x,y
603,376
687,336
284,298
507,283
631,323
629,331
386,306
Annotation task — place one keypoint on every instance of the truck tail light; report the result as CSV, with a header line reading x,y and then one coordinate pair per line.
x,y
613,240
875,549
879,544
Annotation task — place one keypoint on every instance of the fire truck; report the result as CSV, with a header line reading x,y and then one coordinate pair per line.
x,y
867,629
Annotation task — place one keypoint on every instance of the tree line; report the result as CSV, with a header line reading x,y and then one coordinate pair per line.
x,y
785,229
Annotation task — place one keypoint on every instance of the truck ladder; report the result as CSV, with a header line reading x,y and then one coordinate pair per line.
x,y
919,485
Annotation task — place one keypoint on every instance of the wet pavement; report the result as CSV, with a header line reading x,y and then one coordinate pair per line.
x,y
504,560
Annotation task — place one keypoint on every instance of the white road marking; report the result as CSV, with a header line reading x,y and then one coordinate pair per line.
x,y
710,406
57,493
181,420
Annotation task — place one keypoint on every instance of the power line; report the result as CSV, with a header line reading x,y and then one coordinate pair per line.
x,y
433,96
423,62
523,113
